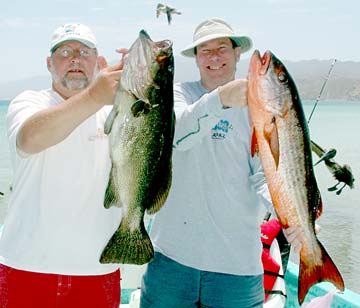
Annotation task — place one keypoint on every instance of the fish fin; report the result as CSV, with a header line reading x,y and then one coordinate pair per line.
x,y
254,143
139,107
272,137
109,121
165,169
310,275
110,198
319,208
163,191
128,246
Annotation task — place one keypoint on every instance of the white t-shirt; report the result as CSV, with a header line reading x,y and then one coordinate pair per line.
x,y
211,219
56,221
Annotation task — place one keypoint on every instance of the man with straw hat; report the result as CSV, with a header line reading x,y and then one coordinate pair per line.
x,y
207,235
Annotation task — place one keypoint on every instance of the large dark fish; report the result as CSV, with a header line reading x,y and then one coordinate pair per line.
x,y
281,137
342,174
141,130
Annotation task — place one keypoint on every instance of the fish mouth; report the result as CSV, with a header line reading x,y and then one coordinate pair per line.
x,y
260,64
265,62
161,49
144,59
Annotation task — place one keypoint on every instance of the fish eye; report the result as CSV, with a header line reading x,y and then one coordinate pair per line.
x,y
282,77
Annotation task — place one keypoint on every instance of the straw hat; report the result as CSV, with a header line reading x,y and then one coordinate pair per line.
x,y
73,32
212,29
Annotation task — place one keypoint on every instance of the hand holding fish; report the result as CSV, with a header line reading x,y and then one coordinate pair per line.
x,y
104,87
234,93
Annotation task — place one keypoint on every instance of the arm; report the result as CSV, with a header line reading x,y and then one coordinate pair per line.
x,y
234,93
194,120
195,116
52,125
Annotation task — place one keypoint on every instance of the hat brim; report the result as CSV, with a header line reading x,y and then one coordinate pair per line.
x,y
85,42
243,42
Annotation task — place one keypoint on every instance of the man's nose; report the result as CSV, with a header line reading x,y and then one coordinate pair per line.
x,y
214,53
75,57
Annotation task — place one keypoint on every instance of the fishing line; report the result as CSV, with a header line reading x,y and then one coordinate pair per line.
x,y
322,89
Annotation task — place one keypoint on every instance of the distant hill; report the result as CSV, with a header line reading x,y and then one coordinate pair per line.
x,y
343,84
309,75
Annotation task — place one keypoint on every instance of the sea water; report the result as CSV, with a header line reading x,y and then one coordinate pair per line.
x,y
335,124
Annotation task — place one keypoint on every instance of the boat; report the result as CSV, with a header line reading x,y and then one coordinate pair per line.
x,y
285,286
131,276
130,296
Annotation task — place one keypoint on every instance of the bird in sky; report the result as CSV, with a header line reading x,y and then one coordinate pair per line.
x,y
166,9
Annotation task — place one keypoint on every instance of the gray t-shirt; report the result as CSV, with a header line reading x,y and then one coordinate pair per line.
x,y
210,220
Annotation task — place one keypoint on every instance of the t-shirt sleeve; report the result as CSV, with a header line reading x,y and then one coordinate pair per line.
x,y
20,109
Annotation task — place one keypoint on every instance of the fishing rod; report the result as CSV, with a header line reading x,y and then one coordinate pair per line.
x,y
322,89
340,173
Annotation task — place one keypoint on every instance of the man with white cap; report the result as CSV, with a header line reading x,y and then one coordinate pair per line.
x,y
56,226
207,235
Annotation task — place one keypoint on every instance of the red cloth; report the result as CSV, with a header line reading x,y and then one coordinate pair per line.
x,y
269,231
35,290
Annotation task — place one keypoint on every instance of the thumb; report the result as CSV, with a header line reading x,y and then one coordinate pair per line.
x,y
102,63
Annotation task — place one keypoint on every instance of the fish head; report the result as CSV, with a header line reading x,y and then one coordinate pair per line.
x,y
274,106
271,87
147,65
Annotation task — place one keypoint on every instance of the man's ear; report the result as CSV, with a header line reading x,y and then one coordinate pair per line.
x,y
237,53
48,63
196,61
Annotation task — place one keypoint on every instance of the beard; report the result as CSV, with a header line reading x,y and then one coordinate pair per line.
x,y
75,83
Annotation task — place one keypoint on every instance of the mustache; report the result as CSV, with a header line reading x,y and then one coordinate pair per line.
x,y
75,67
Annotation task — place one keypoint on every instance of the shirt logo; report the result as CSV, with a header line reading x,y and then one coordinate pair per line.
x,y
220,130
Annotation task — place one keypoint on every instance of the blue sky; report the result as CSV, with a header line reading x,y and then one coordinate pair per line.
x,y
292,29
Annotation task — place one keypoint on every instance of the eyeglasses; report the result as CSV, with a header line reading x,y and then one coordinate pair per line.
x,y
68,52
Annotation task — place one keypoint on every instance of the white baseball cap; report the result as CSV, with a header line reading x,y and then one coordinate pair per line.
x,y
212,29
73,32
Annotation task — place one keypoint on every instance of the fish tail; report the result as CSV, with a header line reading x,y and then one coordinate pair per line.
x,y
128,246
309,275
